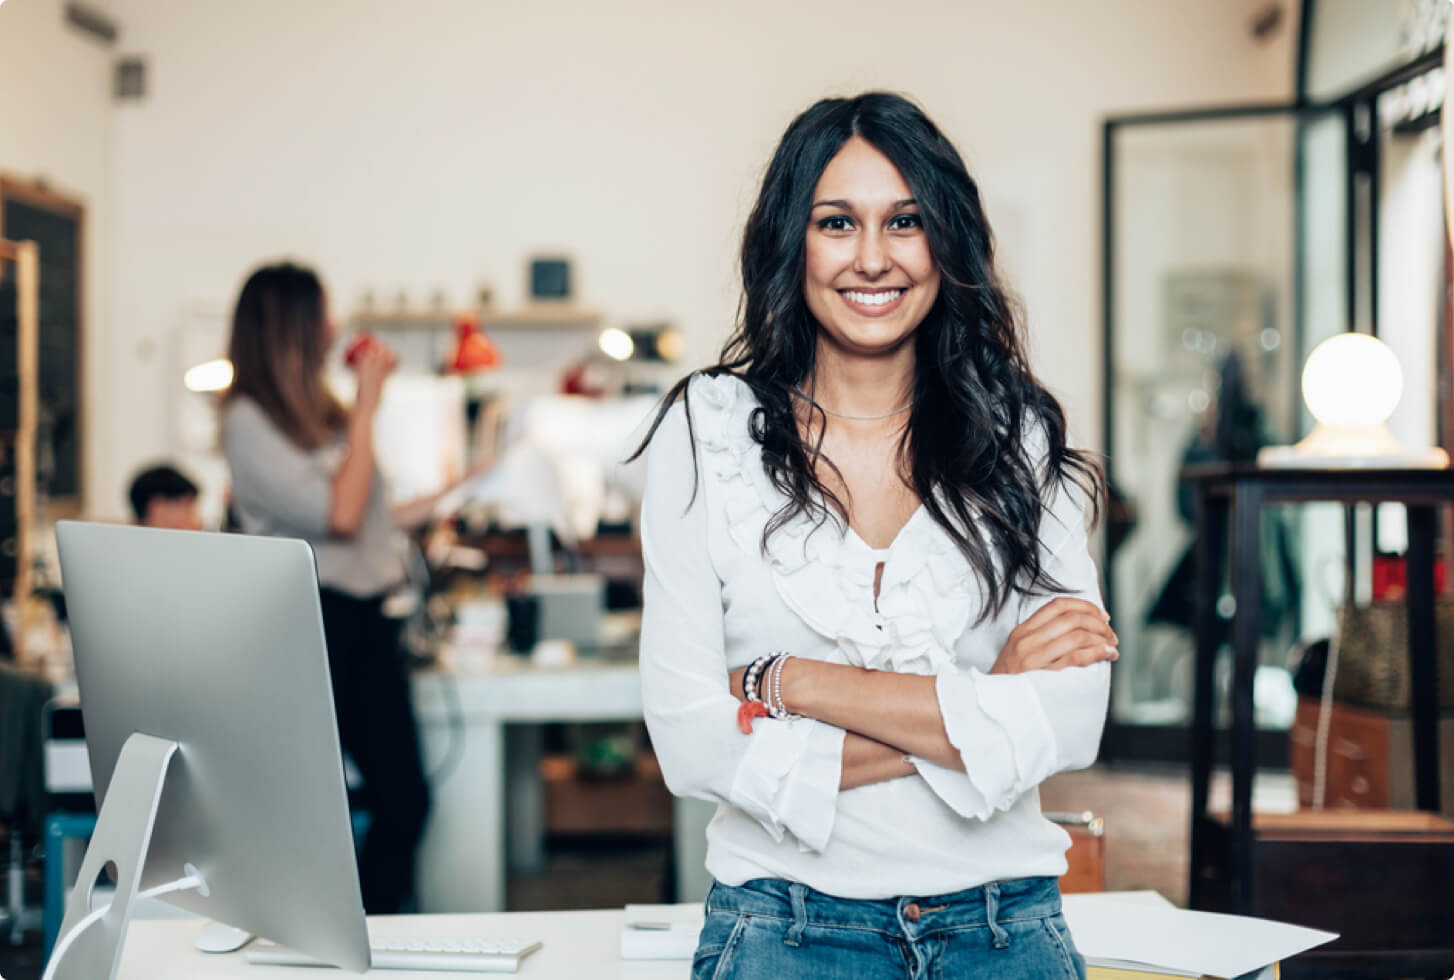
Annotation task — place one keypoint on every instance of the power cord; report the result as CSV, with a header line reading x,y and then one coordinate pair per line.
x,y
1325,701
1325,720
425,627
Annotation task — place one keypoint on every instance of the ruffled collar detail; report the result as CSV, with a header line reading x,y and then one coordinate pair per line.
x,y
824,574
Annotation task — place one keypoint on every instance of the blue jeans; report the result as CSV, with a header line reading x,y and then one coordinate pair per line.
x,y
767,929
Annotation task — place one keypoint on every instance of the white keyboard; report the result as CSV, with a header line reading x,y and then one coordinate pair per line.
x,y
461,954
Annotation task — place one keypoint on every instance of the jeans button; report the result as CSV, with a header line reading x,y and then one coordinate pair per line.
x,y
911,912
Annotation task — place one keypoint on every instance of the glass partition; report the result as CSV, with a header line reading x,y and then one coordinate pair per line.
x,y
1352,41
1203,366
1236,240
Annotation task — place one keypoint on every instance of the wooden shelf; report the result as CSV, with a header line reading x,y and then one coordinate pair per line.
x,y
403,320
535,317
541,316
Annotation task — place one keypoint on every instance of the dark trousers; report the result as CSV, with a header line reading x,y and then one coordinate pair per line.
x,y
376,727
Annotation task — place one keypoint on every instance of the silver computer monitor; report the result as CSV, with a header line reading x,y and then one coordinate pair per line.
x,y
215,642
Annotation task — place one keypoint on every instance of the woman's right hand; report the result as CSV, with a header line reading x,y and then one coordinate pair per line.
x,y
1065,632
373,366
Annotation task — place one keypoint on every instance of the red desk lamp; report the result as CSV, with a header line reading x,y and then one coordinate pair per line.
x,y
473,348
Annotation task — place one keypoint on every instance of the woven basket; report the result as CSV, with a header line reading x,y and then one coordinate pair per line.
x,y
1373,655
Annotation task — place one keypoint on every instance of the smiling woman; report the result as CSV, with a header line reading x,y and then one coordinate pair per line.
x,y
872,626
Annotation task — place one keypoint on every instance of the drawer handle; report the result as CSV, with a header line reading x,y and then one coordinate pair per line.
x,y
1350,749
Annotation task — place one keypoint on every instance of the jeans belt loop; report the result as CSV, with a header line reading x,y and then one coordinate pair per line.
x,y
798,892
991,910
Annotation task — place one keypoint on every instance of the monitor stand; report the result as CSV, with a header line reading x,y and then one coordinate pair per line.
x,y
218,937
89,947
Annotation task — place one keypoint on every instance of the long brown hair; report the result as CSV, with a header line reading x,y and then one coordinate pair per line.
x,y
277,349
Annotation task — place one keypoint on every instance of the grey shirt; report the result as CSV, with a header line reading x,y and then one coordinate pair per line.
x,y
281,490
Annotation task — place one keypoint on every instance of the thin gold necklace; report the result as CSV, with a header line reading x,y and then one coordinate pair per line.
x,y
852,418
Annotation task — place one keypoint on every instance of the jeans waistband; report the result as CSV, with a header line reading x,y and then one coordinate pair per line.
x,y
990,904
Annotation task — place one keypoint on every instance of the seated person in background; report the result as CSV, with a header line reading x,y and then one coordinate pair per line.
x,y
162,497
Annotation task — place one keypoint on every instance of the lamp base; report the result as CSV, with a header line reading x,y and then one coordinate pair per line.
x,y
1345,447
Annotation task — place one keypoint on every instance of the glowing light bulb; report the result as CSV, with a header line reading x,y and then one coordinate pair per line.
x,y
209,375
1351,384
1352,379
616,344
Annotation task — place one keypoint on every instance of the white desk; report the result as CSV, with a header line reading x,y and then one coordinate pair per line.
x,y
1113,925
488,810
577,944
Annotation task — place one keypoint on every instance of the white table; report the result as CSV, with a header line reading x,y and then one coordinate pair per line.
x,y
488,809
586,944
577,944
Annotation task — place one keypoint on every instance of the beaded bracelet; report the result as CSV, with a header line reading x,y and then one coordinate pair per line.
x,y
774,683
753,674
754,705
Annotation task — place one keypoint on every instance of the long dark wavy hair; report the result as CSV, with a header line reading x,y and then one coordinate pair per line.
x,y
975,401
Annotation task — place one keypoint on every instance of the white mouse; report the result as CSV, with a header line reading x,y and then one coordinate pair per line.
x,y
216,937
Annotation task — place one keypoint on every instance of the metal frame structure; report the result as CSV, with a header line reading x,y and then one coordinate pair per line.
x,y
1358,106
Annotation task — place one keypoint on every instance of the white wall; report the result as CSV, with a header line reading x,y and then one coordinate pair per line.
x,y
56,125
436,144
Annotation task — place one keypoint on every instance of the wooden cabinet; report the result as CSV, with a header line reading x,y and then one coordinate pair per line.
x,y
637,803
1369,757
1086,860
1378,878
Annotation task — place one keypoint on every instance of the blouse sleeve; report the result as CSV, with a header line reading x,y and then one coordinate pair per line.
x,y
272,476
1015,730
785,774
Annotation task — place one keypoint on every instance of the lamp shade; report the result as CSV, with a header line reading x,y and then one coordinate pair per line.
x,y
473,348
1352,379
1352,382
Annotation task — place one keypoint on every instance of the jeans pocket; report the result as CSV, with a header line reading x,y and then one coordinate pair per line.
x,y
1060,933
721,933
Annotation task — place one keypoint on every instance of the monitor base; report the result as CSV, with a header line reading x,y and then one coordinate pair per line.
x,y
217,937
89,947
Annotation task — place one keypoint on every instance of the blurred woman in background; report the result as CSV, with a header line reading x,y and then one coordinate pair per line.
x,y
303,466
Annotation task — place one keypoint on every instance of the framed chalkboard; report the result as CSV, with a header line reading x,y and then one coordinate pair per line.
x,y
30,211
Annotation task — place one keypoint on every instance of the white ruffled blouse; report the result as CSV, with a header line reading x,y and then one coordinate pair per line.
x,y
714,602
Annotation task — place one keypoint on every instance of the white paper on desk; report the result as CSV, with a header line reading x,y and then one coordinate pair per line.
x,y
677,942
1176,940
